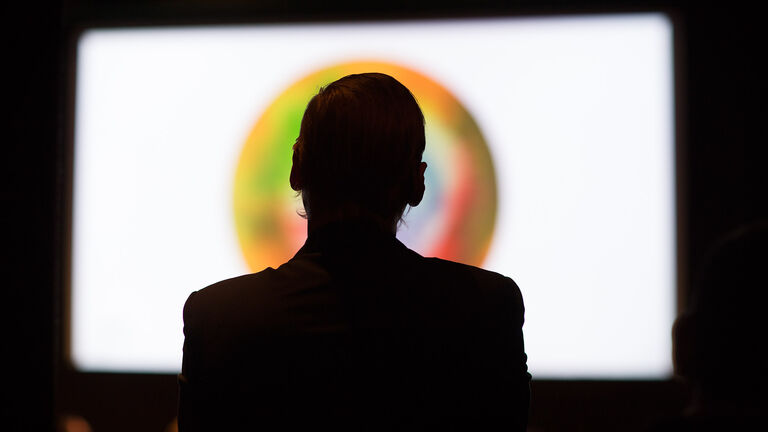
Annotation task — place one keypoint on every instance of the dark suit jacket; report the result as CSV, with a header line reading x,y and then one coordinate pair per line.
x,y
356,332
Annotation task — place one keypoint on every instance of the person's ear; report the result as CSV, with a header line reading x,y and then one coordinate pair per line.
x,y
418,186
296,179
297,183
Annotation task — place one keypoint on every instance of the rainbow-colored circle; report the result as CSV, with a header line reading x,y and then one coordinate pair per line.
x,y
455,220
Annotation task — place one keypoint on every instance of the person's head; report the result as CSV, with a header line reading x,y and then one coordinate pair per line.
x,y
358,154
718,340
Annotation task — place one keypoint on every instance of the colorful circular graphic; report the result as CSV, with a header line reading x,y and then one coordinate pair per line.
x,y
456,219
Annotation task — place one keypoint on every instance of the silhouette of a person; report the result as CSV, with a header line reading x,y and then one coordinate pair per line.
x,y
720,339
356,331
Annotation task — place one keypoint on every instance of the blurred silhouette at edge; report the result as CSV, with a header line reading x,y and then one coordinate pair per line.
x,y
720,339
356,331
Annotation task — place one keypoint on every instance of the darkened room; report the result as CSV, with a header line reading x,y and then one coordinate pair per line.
x,y
719,183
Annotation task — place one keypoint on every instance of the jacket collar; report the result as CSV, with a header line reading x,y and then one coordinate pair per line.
x,y
349,237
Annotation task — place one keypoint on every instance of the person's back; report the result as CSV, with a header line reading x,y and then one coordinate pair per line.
x,y
356,331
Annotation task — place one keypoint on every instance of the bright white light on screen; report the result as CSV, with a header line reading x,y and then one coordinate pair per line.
x,y
577,112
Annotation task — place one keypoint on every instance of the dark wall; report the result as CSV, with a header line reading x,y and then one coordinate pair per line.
x,y
30,145
722,92
726,103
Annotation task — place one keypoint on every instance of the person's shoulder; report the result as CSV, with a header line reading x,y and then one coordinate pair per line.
x,y
234,286
481,281
457,269
254,292
260,283
222,294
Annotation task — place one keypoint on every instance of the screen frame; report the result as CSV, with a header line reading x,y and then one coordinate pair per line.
x,y
129,383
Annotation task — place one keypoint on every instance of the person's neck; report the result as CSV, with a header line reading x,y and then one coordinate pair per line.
x,y
350,215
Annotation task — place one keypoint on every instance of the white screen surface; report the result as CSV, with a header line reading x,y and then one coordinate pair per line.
x,y
577,113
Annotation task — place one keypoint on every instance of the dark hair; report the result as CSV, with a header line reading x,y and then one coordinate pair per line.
x,y
361,139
